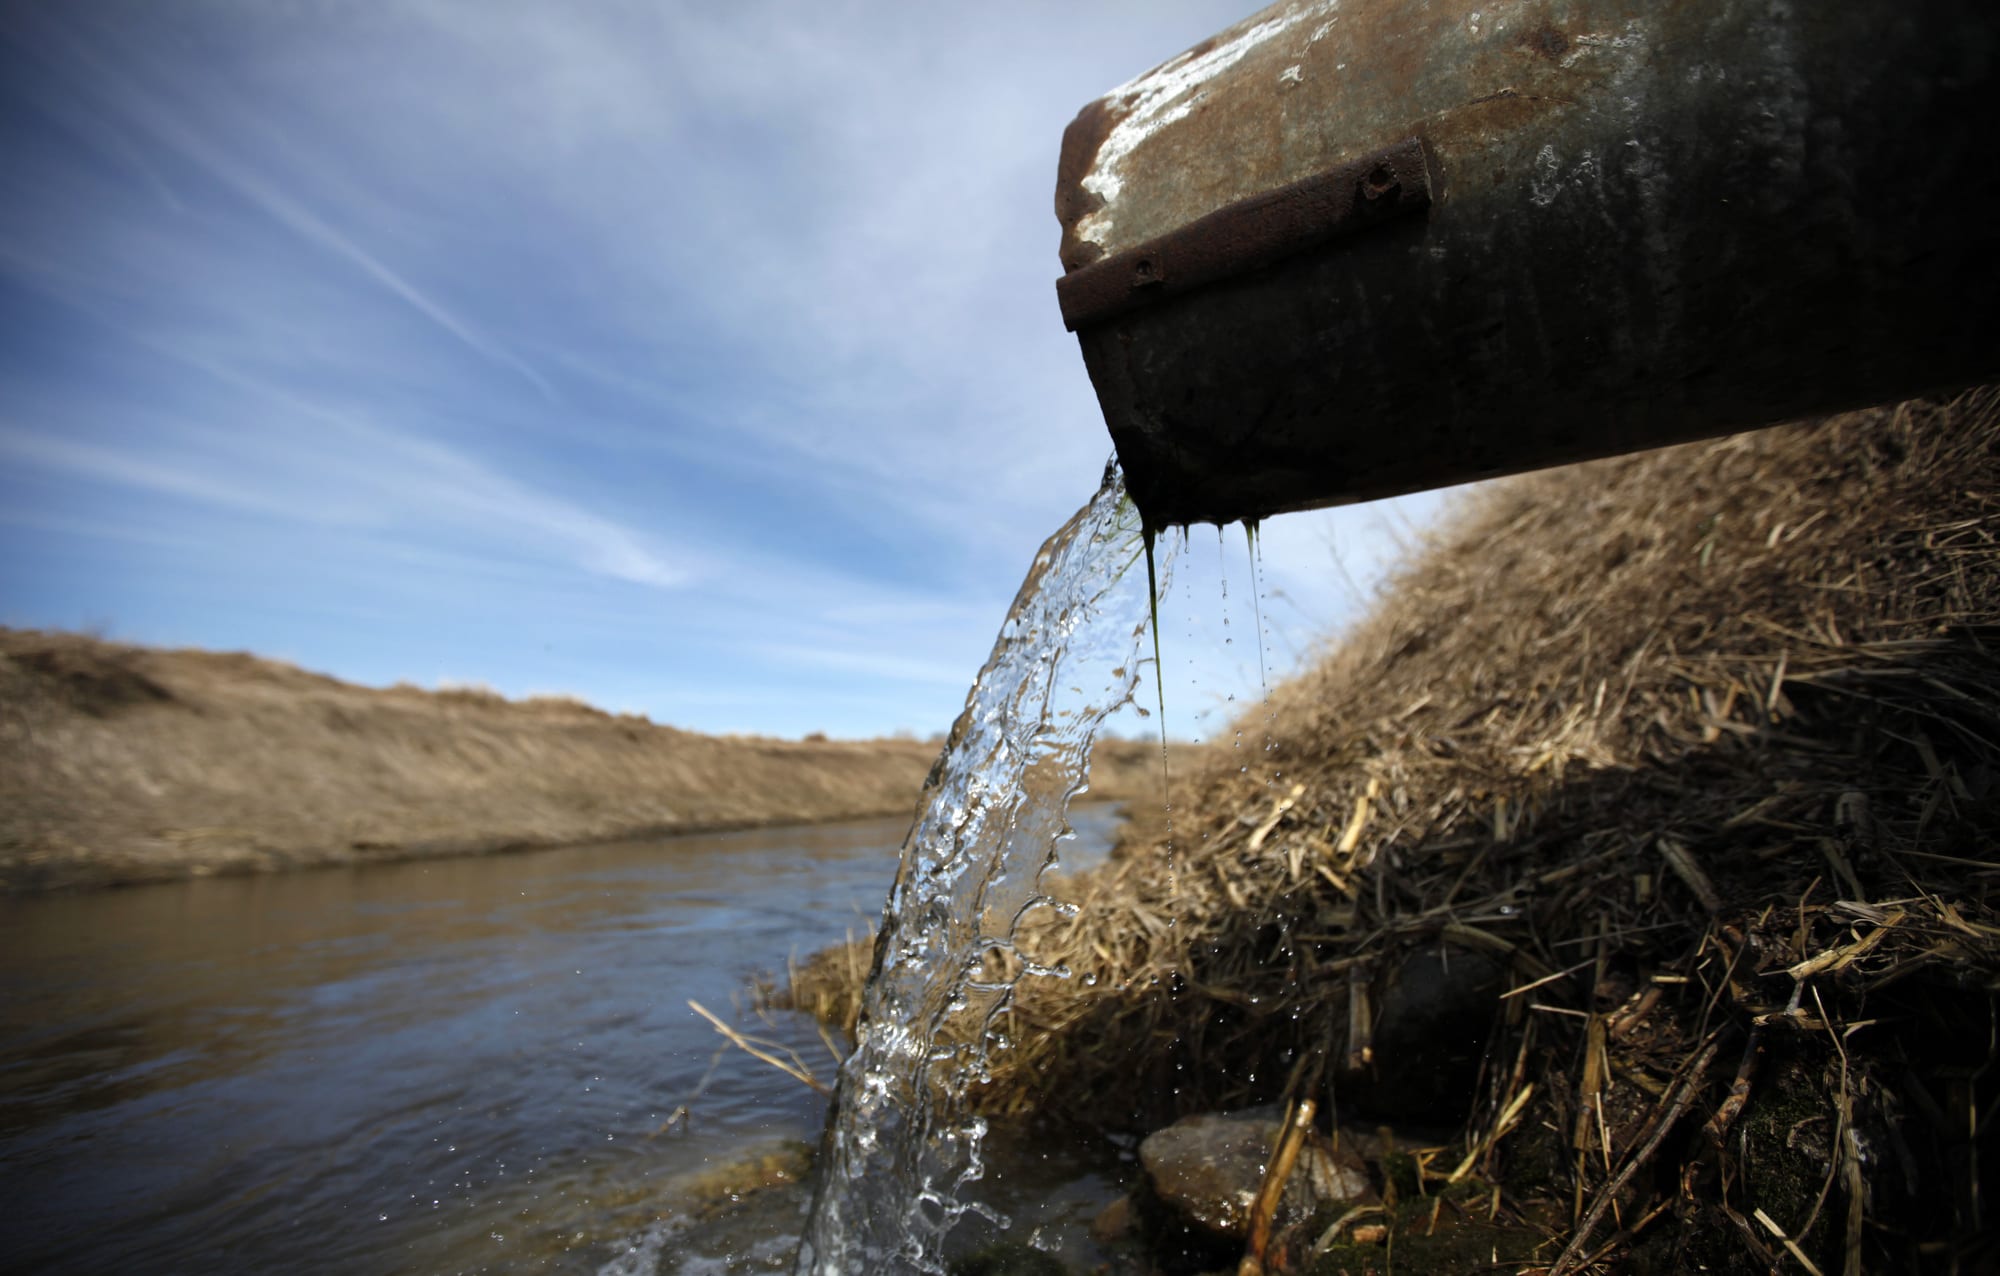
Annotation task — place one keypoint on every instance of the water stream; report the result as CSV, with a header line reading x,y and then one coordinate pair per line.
x,y
903,1147
489,1063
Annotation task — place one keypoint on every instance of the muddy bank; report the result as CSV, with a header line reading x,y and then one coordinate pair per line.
x,y
123,764
1643,837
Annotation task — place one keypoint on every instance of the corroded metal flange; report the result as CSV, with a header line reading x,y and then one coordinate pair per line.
x,y
1613,224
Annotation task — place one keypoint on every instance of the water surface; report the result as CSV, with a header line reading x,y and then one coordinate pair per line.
x,y
456,1065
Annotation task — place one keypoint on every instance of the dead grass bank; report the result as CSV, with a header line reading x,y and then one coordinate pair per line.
x,y
1700,749
121,764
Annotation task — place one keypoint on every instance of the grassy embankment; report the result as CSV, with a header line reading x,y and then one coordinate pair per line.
x,y
1707,742
123,764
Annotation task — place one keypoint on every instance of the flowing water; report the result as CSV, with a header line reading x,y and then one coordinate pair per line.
x,y
455,1066
490,1064
903,1150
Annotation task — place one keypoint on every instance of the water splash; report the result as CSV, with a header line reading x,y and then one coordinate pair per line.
x,y
903,1146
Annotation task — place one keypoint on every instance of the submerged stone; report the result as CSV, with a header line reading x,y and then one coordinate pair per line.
x,y
1206,1170
777,1163
1113,1222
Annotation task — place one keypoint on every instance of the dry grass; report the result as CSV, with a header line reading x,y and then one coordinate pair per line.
x,y
121,764
1703,740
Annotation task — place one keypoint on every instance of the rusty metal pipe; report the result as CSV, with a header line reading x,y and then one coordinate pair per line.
x,y
1353,248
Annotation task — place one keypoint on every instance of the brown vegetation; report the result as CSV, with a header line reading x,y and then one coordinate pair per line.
x,y
1699,750
121,764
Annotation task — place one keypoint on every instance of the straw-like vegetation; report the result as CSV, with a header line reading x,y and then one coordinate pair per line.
x,y
121,763
1699,749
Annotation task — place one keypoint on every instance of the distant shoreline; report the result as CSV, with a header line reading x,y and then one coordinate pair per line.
x,y
123,765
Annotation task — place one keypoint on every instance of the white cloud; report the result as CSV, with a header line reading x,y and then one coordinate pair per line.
x,y
328,469
883,663
751,304
122,467
133,107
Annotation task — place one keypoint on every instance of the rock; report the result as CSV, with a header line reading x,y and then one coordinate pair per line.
x,y
1206,1170
1113,1222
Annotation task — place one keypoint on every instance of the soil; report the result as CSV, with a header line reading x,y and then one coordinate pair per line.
x,y
123,764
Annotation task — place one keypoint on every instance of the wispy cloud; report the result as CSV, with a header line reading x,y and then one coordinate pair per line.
x,y
625,342
321,467
876,663
132,104
121,467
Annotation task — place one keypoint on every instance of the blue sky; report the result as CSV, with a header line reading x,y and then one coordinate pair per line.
x,y
699,359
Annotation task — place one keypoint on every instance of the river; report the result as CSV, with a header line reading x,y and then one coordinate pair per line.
x,y
451,1065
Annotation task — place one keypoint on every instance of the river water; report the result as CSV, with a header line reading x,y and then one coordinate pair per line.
x,y
456,1065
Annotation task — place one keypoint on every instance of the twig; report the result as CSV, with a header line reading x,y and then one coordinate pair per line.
x,y
1839,958
1276,1176
1690,872
793,1070
1332,1233
826,1039
1791,1246
1508,1116
1625,1235
1739,1089
1350,837
684,1110
1548,978
1848,1163
1625,1021
1664,1122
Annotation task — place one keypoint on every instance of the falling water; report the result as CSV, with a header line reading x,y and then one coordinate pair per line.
x,y
903,1144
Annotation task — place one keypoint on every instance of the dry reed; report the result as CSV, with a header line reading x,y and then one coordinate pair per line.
x,y
1701,744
